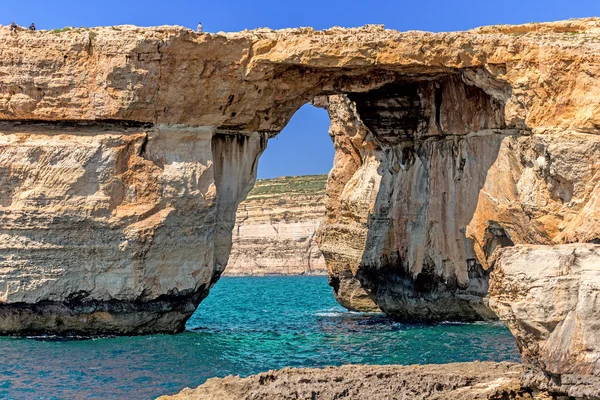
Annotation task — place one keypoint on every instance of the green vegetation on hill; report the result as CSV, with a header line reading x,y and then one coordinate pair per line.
x,y
288,185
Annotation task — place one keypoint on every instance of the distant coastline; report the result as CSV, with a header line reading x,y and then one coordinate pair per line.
x,y
276,227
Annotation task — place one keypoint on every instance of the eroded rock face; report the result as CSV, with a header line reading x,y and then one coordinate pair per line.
x,y
550,298
439,208
108,229
400,225
448,146
459,381
541,189
276,227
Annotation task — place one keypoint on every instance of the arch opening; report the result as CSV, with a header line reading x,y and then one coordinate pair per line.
x,y
276,225
411,154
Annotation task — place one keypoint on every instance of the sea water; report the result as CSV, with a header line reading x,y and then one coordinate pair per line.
x,y
245,326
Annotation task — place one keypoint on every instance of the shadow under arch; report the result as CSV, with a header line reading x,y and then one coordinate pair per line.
x,y
398,234
412,153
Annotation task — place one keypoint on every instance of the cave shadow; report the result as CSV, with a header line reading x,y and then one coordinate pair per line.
x,y
434,141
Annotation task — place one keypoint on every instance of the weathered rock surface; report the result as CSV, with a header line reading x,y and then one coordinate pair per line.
x,y
400,224
276,227
460,381
550,298
127,151
412,251
89,217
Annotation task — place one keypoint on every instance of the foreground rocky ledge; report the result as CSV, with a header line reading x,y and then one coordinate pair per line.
x,y
458,381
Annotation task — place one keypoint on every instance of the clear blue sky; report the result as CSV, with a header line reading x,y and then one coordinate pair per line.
x,y
304,146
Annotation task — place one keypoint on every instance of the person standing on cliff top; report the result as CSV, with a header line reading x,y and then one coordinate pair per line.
x,y
199,27
13,27
32,27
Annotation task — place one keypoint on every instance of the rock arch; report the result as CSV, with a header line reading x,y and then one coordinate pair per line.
x,y
125,154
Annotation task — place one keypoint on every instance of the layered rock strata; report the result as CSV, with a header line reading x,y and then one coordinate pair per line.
x,y
460,381
276,227
550,298
126,152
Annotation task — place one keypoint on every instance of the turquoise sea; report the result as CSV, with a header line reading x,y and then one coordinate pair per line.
x,y
246,325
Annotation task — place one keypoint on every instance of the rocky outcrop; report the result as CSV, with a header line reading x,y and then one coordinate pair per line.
x,y
550,298
126,152
276,227
400,227
460,381
417,204
89,216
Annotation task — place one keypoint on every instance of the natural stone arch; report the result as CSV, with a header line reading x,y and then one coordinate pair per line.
x,y
406,110
156,119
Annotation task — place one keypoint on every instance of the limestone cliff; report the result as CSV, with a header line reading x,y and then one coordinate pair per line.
x,y
108,229
276,227
125,152
550,298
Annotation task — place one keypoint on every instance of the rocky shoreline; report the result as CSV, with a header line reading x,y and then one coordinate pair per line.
x,y
457,381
